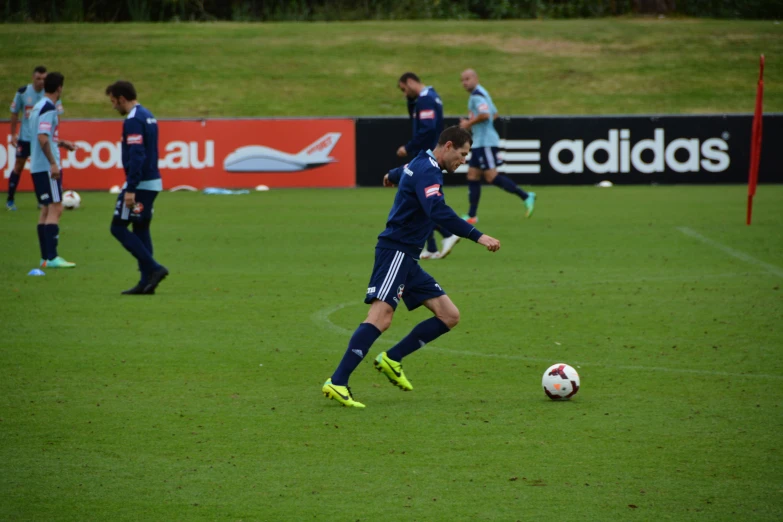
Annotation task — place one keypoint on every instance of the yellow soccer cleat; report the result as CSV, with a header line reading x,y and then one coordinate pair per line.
x,y
393,371
341,394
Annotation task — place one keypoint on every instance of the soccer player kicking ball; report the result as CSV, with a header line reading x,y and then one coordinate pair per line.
x,y
397,276
484,160
134,204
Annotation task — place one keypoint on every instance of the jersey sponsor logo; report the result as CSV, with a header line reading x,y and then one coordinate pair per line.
x,y
257,158
44,126
427,115
432,190
134,139
371,290
483,107
28,109
138,208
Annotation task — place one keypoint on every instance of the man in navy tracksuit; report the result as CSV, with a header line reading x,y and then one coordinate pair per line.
x,y
134,204
425,109
397,276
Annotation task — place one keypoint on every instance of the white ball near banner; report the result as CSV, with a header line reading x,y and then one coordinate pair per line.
x,y
115,189
262,188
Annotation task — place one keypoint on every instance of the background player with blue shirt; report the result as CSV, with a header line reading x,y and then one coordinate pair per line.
x,y
134,204
484,154
46,169
425,109
396,274
24,100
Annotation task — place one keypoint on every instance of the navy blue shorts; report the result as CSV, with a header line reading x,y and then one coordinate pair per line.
x,y
485,158
22,149
141,211
48,190
397,276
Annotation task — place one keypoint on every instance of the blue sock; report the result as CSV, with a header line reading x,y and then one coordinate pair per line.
x,y
13,182
142,231
474,194
51,232
509,186
423,333
133,244
42,240
443,232
358,346
432,246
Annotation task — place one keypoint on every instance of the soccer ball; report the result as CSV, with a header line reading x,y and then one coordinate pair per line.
x,y
560,382
71,199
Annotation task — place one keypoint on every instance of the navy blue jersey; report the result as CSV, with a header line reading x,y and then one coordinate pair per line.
x,y
418,206
140,150
427,122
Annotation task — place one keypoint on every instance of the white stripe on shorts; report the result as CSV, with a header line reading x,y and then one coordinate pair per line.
x,y
55,190
391,275
490,158
125,211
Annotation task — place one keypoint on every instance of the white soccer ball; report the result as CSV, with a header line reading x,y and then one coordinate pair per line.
x,y
71,199
560,382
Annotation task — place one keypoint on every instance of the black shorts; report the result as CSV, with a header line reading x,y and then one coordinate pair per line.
x,y
48,190
22,149
141,211
485,158
396,277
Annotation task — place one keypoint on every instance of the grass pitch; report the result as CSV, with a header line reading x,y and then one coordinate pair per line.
x,y
203,402
601,66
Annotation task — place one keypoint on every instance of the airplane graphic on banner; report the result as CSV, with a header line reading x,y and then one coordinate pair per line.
x,y
256,158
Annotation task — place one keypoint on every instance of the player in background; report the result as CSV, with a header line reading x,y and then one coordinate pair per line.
x,y
396,274
24,101
46,169
425,109
142,184
484,159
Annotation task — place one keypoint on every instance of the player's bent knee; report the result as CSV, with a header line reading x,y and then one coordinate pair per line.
x,y
380,315
450,317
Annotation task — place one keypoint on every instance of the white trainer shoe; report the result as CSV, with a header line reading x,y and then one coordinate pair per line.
x,y
426,254
447,245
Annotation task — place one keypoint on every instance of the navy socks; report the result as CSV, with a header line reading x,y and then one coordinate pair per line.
x,y
42,241
13,182
432,246
360,343
423,333
509,186
51,234
474,194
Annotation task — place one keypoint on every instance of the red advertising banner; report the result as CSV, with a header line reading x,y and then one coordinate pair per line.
x,y
211,153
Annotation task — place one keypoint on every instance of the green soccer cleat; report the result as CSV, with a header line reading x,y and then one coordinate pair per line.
x,y
341,394
42,264
59,262
471,220
393,371
530,204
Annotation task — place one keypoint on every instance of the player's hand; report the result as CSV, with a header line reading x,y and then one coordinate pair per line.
x,y
55,171
130,199
68,145
401,152
464,123
387,183
14,141
492,244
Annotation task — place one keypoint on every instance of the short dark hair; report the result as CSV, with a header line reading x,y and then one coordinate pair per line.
x,y
40,69
408,76
457,136
122,88
53,81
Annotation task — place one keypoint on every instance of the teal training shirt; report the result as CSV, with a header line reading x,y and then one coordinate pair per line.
x,y
44,120
484,133
24,101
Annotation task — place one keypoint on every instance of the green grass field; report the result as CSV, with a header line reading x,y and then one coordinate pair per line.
x,y
603,66
203,402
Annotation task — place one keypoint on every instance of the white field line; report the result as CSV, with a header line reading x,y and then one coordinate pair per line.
x,y
322,318
772,269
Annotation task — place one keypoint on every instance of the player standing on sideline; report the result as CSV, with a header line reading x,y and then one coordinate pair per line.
x,y
484,154
45,168
142,184
24,101
397,275
425,109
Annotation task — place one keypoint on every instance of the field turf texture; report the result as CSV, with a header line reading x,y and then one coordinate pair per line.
x,y
600,66
203,402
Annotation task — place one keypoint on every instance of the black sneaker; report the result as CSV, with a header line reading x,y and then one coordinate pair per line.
x,y
137,290
154,279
